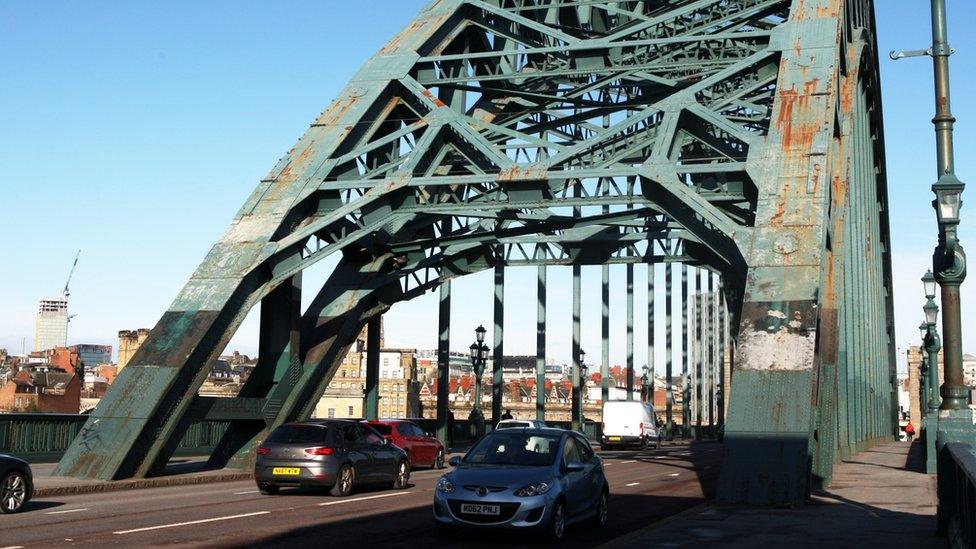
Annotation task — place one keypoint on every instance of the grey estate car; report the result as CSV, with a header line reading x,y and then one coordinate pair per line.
x,y
523,479
328,453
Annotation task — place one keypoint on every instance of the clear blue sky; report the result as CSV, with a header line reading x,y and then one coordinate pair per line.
x,y
134,131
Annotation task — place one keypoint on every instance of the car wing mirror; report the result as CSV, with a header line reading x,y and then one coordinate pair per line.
x,y
574,467
454,461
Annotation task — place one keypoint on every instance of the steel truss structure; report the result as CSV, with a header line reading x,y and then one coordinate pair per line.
x,y
743,136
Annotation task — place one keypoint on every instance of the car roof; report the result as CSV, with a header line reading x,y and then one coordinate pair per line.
x,y
536,430
320,423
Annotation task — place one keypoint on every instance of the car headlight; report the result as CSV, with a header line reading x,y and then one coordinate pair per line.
x,y
536,489
445,485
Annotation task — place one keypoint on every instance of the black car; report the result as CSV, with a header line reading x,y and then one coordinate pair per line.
x,y
336,454
16,483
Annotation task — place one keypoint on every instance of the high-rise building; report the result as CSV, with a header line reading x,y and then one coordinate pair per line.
x,y
129,342
51,325
93,355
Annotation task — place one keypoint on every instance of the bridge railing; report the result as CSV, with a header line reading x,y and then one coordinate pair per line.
x,y
464,430
957,494
40,438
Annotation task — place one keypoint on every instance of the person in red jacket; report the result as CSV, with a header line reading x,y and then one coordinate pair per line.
x,y
910,432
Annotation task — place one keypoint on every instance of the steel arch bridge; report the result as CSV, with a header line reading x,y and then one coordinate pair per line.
x,y
743,136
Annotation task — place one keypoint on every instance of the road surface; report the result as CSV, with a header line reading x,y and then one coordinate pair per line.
x,y
644,486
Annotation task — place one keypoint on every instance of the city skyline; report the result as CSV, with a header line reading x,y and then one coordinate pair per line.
x,y
119,123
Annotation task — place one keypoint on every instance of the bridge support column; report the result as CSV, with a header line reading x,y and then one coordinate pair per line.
x,y
630,332
649,391
699,342
605,335
498,351
444,365
577,397
371,394
685,390
668,352
540,345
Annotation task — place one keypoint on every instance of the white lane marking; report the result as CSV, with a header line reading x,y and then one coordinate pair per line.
x,y
66,511
13,547
626,462
189,523
247,492
632,484
353,500
673,475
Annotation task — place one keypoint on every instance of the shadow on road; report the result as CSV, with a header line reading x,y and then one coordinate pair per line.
x,y
414,526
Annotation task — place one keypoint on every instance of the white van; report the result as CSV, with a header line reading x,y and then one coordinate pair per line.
x,y
629,423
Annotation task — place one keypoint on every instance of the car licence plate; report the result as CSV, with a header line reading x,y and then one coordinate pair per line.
x,y
288,471
613,438
478,509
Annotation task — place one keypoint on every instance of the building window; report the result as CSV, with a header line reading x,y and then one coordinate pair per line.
x,y
386,374
386,362
350,410
331,412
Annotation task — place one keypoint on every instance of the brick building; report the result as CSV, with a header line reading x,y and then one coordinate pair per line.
x,y
41,389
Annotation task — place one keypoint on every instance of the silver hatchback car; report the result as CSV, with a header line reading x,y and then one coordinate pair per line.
x,y
523,479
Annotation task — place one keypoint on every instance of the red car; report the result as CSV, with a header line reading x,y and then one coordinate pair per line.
x,y
421,448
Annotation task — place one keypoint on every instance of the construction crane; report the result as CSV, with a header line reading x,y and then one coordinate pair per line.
x,y
70,274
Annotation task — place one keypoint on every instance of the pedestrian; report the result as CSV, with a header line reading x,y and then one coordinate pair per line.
x,y
507,414
910,432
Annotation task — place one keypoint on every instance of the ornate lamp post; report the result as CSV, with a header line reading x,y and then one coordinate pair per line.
x,y
479,357
932,342
644,391
949,259
583,368
930,408
923,371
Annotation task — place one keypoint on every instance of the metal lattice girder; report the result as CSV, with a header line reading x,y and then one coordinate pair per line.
x,y
503,133
815,348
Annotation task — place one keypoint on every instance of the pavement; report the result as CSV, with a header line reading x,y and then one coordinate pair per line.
x,y
646,486
879,498
179,472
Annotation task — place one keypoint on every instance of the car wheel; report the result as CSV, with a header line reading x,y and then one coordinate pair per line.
x,y
344,482
268,489
557,523
602,510
439,460
402,478
13,492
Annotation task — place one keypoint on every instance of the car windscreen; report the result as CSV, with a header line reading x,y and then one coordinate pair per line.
x,y
288,434
514,448
381,429
513,425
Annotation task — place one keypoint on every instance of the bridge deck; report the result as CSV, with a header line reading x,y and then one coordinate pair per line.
x,y
879,498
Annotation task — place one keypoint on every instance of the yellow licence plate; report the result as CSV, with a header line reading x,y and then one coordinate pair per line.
x,y
292,471
613,438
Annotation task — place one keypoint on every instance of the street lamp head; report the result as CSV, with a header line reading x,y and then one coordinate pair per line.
x,y
475,349
931,312
923,330
582,355
583,370
480,333
948,199
928,282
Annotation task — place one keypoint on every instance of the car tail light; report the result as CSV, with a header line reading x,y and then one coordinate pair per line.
x,y
262,451
319,451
